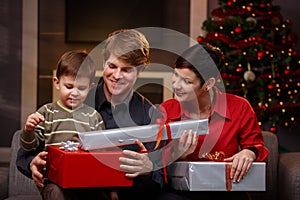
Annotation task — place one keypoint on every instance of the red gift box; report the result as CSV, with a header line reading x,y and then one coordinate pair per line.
x,y
79,169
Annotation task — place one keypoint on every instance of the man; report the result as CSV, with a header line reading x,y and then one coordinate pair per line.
x,y
126,54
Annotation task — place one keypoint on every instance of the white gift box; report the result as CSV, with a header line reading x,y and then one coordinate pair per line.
x,y
214,176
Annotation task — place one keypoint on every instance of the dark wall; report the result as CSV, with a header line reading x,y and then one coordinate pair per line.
x,y
11,70
52,43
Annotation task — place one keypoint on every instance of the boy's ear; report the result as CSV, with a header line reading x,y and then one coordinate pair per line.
x,y
92,85
56,83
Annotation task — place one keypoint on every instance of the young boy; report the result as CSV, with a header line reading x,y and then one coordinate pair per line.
x,y
62,120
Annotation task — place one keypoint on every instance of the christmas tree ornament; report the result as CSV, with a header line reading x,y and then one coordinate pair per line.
x,y
260,54
249,76
252,20
200,39
273,129
229,3
238,30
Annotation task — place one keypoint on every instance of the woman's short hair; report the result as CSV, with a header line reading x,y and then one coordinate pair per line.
x,y
203,59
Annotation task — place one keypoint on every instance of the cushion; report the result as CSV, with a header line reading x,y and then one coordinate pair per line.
x,y
289,175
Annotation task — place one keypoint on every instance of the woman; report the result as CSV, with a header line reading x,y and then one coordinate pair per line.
x,y
234,134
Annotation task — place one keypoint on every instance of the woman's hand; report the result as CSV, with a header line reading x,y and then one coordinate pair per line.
x,y
241,163
186,145
36,166
135,163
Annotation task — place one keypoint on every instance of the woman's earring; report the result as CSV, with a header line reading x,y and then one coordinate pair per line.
x,y
207,88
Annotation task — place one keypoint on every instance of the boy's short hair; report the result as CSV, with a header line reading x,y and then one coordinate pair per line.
x,y
76,63
129,45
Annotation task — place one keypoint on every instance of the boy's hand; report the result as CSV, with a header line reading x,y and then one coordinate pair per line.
x,y
32,121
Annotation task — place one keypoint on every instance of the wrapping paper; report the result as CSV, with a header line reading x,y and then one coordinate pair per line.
x,y
214,176
79,169
147,133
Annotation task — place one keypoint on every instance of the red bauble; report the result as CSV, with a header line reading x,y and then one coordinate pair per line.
x,y
260,54
229,3
224,75
283,41
262,5
273,129
200,39
271,86
287,72
238,30
295,52
239,69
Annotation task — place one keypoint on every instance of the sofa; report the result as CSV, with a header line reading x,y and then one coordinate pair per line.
x,y
282,181
13,184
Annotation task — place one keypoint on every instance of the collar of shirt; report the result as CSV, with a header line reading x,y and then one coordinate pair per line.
x,y
220,106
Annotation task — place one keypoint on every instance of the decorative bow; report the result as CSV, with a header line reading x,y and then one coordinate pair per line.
x,y
217,156
69,146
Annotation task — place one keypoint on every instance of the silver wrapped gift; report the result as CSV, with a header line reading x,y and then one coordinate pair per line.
x,y
214,176
147,133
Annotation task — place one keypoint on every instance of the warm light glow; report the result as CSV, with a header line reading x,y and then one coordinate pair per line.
x,y
271,55
279,90
243,85
292,118
221,27
283,26
281,103
262,27
267,105
270,76
289,92
244,53
277,85
295,91
277,29
259,123
231,32
283,110
286,123
269,99
282,52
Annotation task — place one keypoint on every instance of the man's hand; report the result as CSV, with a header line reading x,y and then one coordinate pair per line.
x,y
36,167
135,163
241,163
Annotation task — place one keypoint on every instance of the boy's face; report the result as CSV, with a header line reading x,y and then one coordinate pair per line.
x,y
119,77
72,90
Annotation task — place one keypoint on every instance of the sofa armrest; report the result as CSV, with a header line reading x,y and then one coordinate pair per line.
x,y
3,182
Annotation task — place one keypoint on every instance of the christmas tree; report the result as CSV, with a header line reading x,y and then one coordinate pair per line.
x,y
261,62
